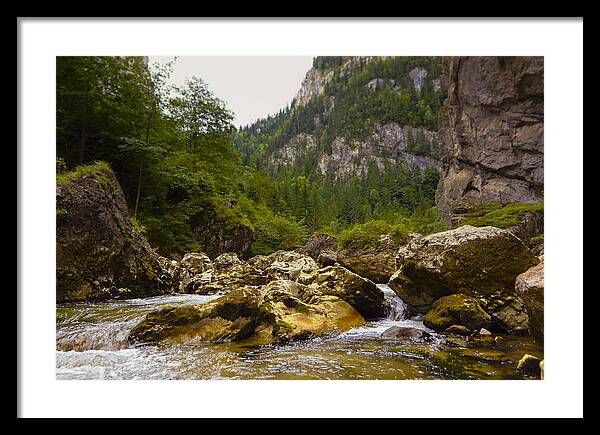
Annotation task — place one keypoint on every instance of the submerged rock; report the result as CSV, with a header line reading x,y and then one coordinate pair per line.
x,y
530,287
457,330
406,334
377,263
481,262
456,310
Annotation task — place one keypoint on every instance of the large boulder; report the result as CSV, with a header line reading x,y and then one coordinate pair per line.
x,y
359,292
231,317
530,287
481,262
99,255
291,312
457,310
279,312
377,263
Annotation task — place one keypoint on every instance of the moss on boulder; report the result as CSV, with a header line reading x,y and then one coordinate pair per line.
x,y
482,262
456,309
281,311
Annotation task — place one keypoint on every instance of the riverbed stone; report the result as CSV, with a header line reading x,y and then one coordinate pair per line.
x,y
406,334
530,287
457,330
456,309
529,365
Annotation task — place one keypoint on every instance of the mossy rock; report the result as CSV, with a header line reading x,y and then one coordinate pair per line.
x,y
457,309
482,262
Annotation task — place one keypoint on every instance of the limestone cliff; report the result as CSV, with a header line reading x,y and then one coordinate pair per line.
x,y
351,113
491,132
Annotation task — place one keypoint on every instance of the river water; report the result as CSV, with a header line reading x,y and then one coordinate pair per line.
x,y
91,343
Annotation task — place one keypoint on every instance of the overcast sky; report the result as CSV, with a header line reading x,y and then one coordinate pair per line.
x,y
252,86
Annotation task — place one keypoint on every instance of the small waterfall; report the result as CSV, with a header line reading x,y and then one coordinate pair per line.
x,y
397,310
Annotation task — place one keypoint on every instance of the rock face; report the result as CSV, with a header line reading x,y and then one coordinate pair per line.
x,y
98,253
386,144
375,263
456,310
279,312
530,287
491,132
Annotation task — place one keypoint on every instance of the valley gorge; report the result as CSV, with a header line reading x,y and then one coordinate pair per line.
x,y
388,224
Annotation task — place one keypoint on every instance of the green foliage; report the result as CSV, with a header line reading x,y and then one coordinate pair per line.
x,y
64,178
397,226
137,225
499,215
192,180
61,165
273,232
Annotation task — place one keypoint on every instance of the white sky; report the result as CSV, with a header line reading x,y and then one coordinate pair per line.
x,y
252,86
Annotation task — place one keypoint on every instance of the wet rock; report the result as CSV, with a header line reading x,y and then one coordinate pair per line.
x,y
97,248
456,310
231,317
292,312
279,312
511,318
377,263
359,292
482,262
529,365
406,334
457,330
542,370
530,287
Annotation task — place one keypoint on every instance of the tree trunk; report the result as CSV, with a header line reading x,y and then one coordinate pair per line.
x,y
137,197
83,133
